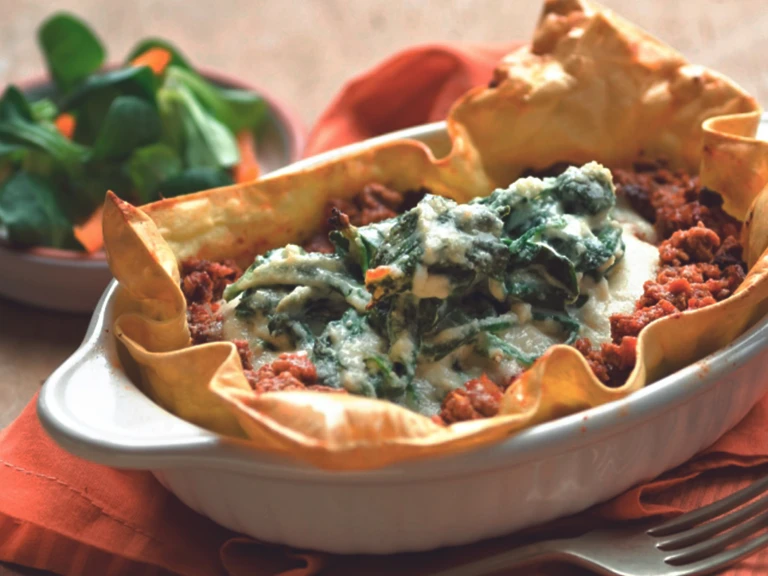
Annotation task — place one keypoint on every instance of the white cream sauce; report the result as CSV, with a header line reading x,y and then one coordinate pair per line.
x,y
254,330
617,293
632,222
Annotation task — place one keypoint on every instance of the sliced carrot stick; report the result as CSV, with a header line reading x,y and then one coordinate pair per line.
x,y
248,169
89,233
155,58
65,123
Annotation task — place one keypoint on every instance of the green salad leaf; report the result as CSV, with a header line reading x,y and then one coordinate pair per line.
x,y
130,123
30,214
151,167
193,180
140,134
71,49
93,99
18,126
236,109
204,140
243,110
11,153
44,110
87,188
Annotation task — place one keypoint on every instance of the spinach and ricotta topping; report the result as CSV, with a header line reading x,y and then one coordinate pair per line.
x,y
412,307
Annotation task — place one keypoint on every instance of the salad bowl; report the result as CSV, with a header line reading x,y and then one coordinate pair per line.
x,y
80,278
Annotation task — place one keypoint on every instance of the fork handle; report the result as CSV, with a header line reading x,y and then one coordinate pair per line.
x,y
517,557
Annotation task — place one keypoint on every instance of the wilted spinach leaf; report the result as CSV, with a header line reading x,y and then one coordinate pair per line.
x,y
606,244
445,340
358,245
570,325
488,344
460,244
292,266
357,371
584,191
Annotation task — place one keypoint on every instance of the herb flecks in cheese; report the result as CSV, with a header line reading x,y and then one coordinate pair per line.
x,y
412,307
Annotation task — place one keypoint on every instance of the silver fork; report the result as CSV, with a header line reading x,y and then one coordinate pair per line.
x,y
689,545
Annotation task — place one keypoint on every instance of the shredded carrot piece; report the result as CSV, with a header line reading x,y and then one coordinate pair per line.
x,y
375,274
248,169
155,58
89,233
65,123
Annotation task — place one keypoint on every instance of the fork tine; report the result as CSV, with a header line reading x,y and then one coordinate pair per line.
x,y
724,559
718,543
710,511
694,535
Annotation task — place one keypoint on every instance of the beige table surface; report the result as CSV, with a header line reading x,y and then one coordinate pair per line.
x,y
302,52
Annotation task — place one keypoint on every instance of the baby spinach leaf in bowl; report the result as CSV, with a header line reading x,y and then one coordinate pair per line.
x,y
18,126
31,215
151,167
237,109
92,101
129,124
193,179
151,128
71,49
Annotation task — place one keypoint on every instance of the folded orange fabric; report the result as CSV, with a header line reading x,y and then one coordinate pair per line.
x,y
413,87
69,516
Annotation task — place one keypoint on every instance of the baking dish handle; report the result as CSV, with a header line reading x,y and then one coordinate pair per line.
x,y
91,408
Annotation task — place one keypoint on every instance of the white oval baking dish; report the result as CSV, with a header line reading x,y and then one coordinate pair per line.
x,y
91,408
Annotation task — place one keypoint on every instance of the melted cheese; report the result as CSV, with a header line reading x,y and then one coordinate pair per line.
x,y
441,240
427,285
442,374
352,353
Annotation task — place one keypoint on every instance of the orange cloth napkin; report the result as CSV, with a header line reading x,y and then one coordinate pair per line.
x,y
70,516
